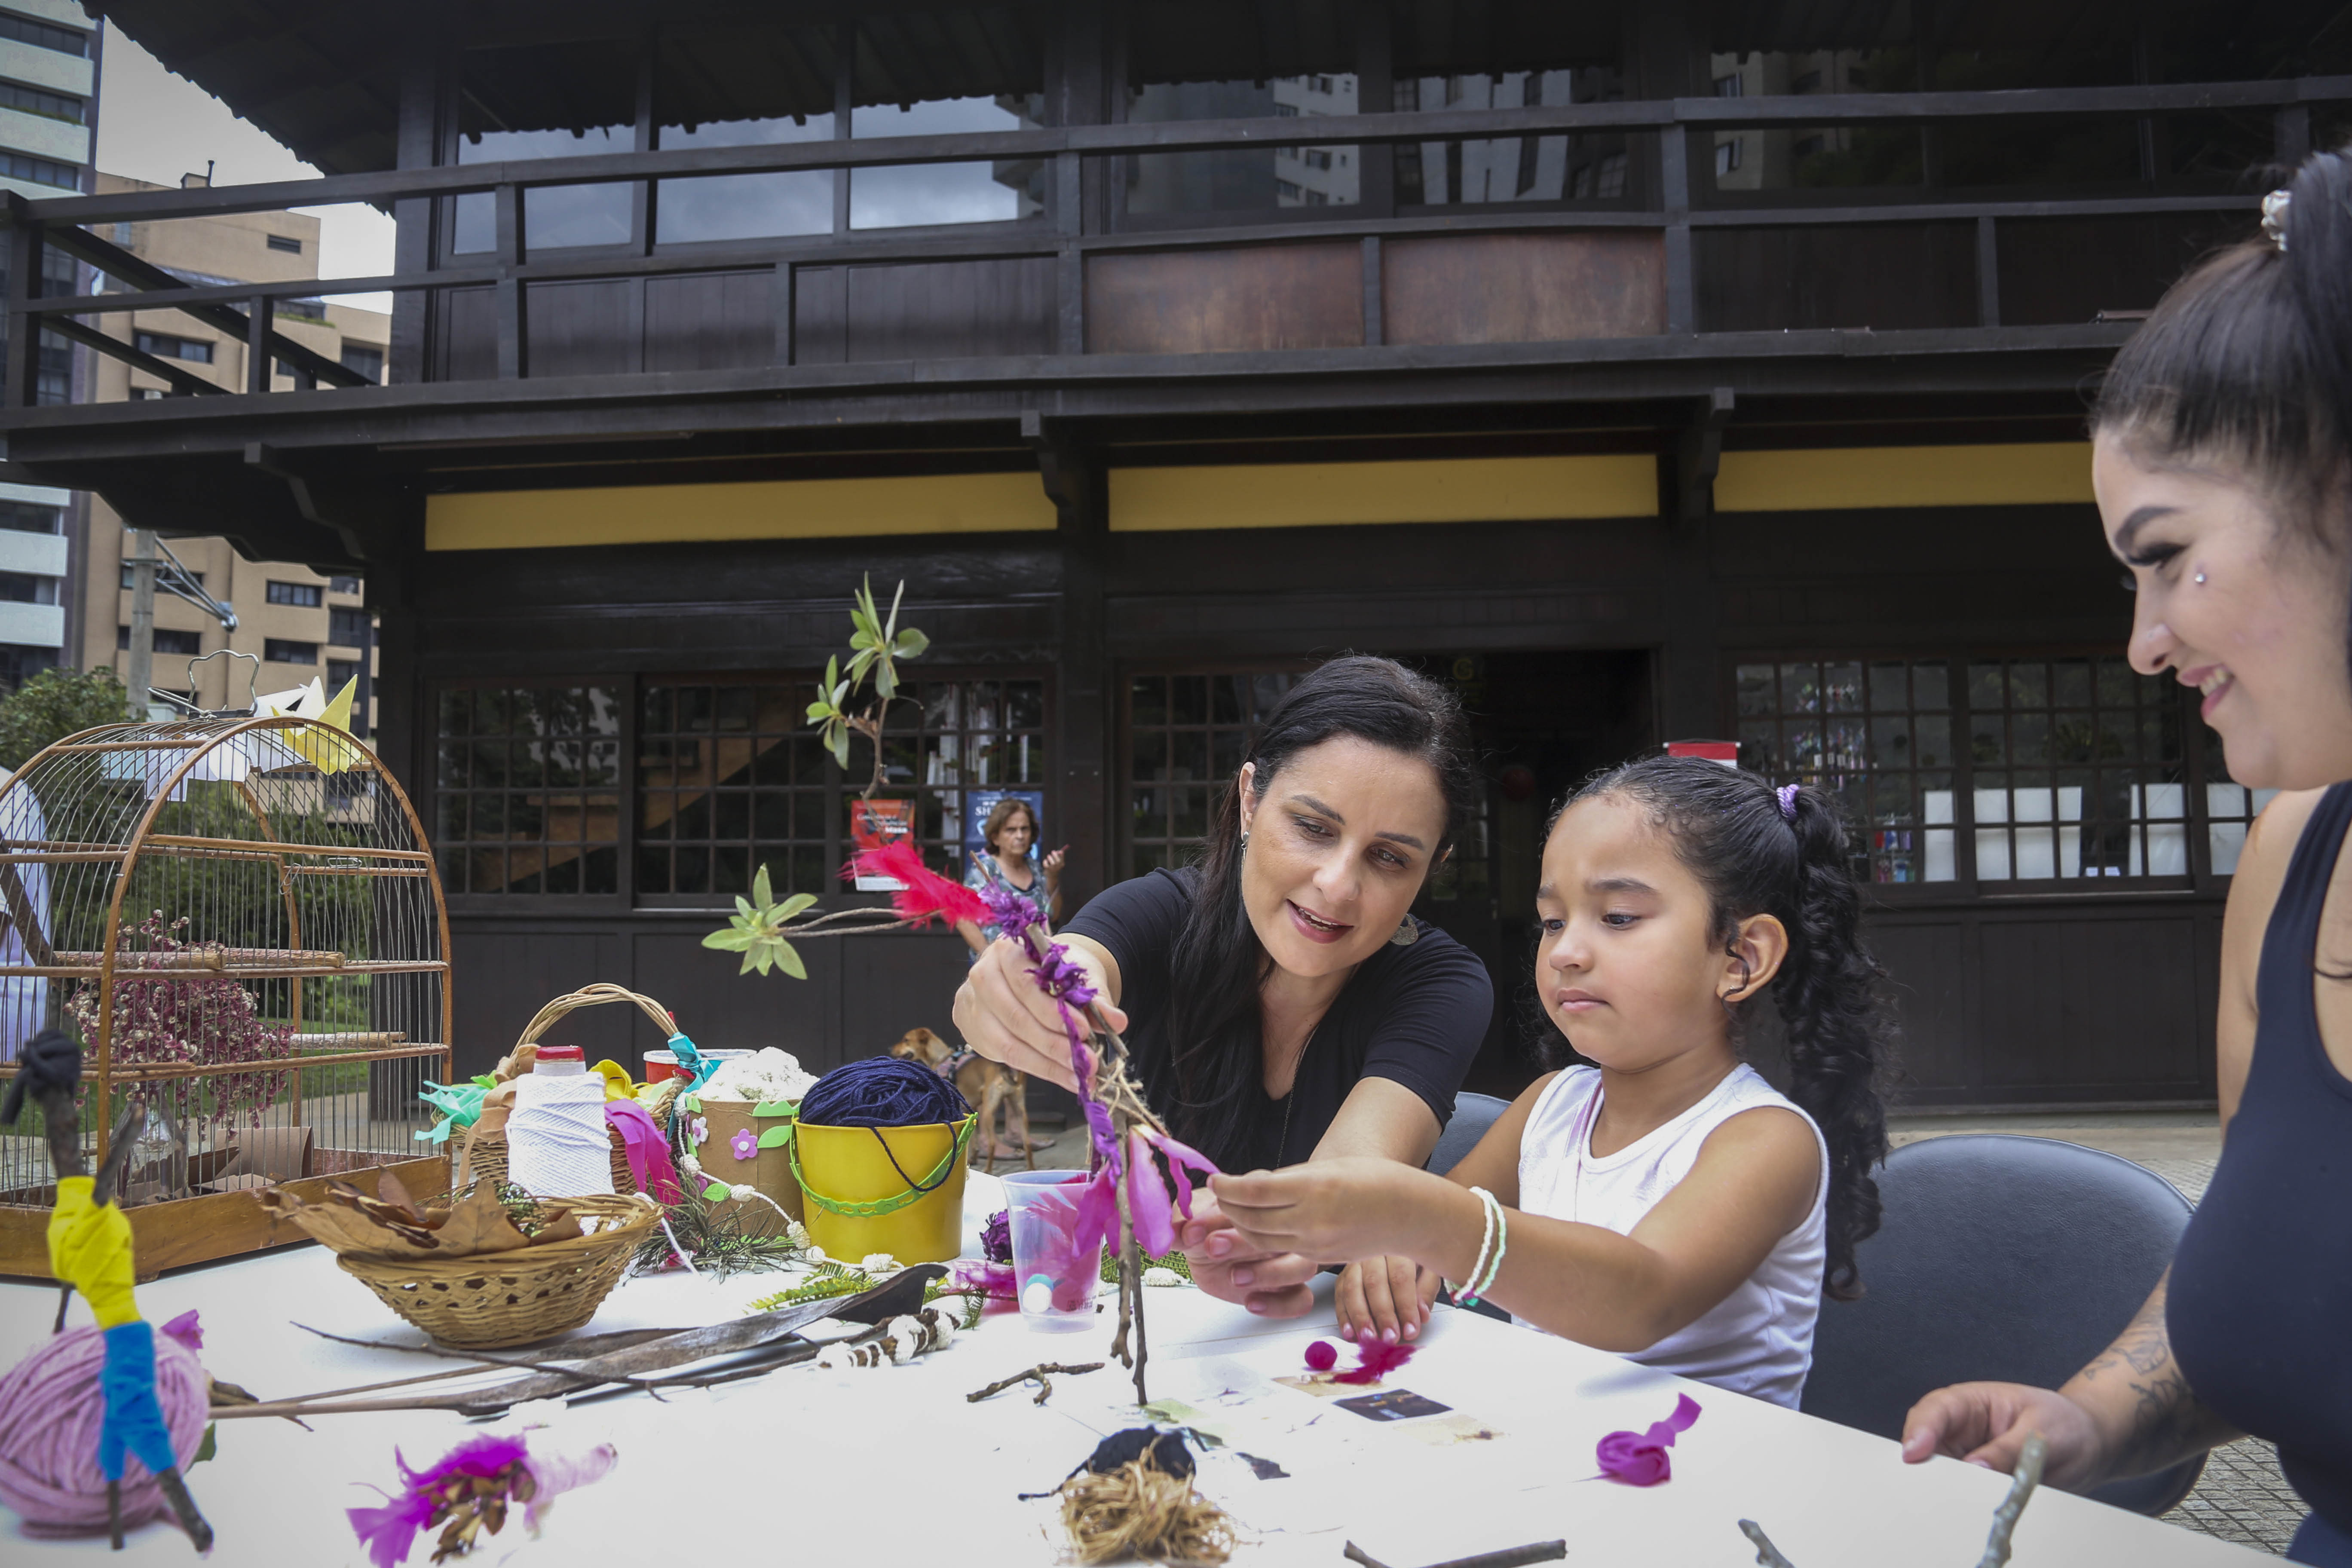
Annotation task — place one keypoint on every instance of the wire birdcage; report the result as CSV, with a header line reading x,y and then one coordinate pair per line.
x,y
242,921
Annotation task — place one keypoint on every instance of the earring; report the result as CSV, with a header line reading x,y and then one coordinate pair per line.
x,y
2201,577
1407,933
1245,843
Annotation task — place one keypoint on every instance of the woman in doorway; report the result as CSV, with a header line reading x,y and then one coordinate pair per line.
x,y
2223,468
1011,860
1279,1000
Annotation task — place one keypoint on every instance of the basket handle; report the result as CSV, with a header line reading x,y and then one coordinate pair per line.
x,y
593,996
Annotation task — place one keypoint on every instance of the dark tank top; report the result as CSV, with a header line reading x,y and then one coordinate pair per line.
x,y
2261,1304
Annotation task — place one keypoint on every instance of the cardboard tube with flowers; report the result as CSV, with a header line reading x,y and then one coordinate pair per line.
x,y
1138,1182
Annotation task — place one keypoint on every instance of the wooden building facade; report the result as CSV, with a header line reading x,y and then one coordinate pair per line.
x,y
1692,368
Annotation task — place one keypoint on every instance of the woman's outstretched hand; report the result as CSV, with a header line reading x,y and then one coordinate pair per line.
x,y
1271,1284
1002,1015
1987,1423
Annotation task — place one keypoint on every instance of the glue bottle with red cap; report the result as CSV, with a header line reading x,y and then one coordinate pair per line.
x,y
559,1062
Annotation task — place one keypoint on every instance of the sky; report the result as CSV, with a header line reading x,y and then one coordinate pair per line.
x,y
154,126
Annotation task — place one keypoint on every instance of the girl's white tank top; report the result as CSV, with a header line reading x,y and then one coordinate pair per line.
x,y
1760,1339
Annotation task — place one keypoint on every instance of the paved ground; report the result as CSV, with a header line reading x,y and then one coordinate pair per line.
x,y
2241,1497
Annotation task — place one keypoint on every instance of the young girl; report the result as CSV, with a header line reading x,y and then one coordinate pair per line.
x,y
1667,1203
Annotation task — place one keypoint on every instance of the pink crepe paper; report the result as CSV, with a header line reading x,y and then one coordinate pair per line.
x,y
1640,1458
1372,1360
647,1150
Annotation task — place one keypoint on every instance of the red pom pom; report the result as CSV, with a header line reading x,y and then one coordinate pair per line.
x,y
1322,1355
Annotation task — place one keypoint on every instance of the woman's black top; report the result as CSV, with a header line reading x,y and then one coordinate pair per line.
x,y
1415,1013
2260,1301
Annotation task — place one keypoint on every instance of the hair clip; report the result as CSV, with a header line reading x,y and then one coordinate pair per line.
x,y
1787,794
2275,207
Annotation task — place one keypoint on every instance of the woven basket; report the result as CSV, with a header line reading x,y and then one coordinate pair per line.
x,y
485,1153
498,1298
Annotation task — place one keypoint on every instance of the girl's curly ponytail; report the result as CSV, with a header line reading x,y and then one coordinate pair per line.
x,y
1756,855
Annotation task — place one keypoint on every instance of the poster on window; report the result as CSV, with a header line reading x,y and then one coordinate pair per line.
x,y
977,805
874,823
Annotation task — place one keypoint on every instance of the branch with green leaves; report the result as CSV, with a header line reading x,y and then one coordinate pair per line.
x,y
762,928
877,644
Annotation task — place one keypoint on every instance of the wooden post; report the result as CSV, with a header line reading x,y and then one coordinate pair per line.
x,y
1988,274
514,345
257,313
1674,193
1373,329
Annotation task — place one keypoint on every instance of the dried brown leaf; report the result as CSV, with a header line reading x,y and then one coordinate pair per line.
x,y
565,1227
343,1229
391,1189
479,1224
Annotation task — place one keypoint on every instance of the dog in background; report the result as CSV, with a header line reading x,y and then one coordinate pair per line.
x,y
990,1086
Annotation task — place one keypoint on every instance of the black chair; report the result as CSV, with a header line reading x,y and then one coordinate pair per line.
x,y
2003,1259
1473,1114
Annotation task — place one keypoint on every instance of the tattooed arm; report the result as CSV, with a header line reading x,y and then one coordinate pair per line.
x,y
2128,1414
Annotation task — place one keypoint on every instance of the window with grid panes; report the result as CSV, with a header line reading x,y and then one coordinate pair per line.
x,y
730,777
2079,770
1186,736
527,796
1876,734
957,736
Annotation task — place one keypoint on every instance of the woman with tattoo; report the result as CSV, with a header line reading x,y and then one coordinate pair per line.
x,y
2222,462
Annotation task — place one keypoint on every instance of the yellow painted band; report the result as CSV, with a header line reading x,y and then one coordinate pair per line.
x,y
1836,478
1443,490
770,509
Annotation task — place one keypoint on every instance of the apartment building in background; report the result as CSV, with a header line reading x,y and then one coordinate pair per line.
x,y
49,96
299,623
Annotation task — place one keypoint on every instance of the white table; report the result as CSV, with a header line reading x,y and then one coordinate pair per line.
x,y
893,1466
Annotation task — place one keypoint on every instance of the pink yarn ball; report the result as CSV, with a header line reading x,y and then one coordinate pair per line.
x,y
1322,1355
50,1412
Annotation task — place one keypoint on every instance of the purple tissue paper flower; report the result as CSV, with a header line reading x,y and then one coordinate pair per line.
x,y
1639,1458
1008,910
996,1237
745,1144
186,1330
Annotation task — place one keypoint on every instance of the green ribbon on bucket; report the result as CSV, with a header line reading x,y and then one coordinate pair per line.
x,y
879,1206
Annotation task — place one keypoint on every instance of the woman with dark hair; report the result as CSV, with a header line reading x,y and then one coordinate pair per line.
x,y
1011,860
2222,462
1280,1001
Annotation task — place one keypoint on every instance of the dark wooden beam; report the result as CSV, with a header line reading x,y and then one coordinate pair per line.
x,y
180,378
116,262
1203,135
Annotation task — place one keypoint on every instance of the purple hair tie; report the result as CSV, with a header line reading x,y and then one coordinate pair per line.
x,y
1787,796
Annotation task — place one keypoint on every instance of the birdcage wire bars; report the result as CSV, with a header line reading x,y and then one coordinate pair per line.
x,y
242,921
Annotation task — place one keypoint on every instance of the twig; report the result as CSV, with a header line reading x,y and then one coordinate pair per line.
x,y
1509,1557
2024,1480
2027,1476
1037,1373
176,1489
1766,1552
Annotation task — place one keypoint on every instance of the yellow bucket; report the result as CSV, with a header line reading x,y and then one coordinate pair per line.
x,y
898,1190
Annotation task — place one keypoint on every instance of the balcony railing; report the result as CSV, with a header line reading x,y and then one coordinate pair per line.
x,y
1663,203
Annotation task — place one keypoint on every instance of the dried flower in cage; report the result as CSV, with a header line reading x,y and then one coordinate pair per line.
x,y
188,1018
